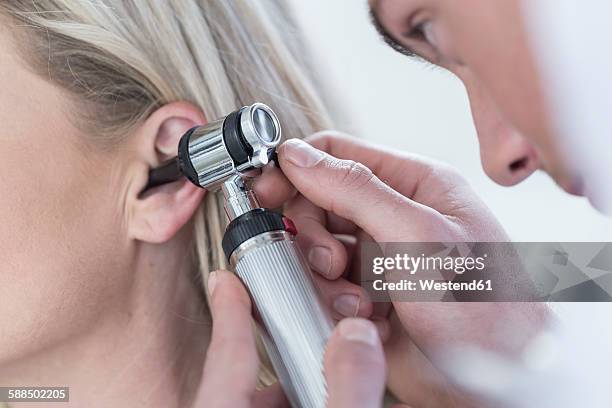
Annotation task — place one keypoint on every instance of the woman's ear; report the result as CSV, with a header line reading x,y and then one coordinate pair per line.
x,y
156,215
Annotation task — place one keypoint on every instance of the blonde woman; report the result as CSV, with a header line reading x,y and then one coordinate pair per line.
x,y
101,288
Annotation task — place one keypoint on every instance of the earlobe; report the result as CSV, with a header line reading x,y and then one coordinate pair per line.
x,y
162,212
156,215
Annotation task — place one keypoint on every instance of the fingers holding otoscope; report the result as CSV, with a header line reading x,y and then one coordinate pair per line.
x,y
354,362
327,255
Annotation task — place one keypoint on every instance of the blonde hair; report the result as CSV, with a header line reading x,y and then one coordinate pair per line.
x,y
122,59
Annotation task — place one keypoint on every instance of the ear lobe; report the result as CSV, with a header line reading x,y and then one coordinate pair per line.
x,y
163,211
156,215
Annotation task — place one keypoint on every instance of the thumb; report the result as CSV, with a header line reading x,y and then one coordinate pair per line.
x,y
350,190
230,372
355,366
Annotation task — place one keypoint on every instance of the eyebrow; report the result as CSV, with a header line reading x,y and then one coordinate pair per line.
x,y
388,38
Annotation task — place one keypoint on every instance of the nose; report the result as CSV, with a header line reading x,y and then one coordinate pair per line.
x,y
507,158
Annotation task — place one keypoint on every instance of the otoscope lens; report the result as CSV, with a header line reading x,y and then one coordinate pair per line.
x,y
264,125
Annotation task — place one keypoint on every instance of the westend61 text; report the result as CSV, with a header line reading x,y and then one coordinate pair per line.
x,y
433,285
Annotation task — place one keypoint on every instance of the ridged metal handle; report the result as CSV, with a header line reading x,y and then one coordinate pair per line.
x,y
297,324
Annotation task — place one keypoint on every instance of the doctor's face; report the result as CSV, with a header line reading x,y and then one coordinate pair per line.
x,y
485,44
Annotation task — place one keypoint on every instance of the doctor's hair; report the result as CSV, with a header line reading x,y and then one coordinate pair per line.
x,y
120,60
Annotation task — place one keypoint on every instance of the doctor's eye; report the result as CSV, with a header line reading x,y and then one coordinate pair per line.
x,y
417,42
417,32
422,34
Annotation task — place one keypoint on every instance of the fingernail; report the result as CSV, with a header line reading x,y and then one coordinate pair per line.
x,y
347,305
301,153
359,331
212,282
320,259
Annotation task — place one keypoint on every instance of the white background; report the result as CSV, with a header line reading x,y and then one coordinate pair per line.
x,y
409,106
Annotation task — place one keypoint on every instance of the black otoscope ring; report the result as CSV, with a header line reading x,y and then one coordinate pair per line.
x,y
251,224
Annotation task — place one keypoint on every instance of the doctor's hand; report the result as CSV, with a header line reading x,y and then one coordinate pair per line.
x,y
354,361
346,186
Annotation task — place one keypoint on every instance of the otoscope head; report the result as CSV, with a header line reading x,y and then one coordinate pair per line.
x,y
237,144
261,129
242,141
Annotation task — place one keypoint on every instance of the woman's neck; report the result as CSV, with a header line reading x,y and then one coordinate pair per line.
x,y
149,352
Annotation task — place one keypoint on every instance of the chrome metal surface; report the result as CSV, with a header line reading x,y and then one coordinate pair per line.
x,y
210,158
261,129
255,242
239,198
296,323
208,155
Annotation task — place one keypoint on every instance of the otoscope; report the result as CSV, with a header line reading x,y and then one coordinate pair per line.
x,y
260,244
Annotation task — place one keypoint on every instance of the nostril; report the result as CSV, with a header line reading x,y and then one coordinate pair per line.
x,y
519,164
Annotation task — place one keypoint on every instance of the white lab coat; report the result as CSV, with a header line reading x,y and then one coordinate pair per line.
x,y
572,40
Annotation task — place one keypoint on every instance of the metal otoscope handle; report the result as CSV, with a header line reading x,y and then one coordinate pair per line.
x,y
260,245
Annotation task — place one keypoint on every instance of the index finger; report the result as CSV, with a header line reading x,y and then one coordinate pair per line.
x,y
402,171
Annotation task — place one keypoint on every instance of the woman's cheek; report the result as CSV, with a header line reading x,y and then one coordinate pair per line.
x,y
61,249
